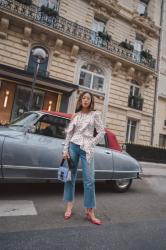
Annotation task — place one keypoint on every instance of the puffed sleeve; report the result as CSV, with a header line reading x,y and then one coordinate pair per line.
x,y
69,134
99,126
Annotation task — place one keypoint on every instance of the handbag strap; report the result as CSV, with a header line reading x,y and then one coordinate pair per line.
x,y
69,161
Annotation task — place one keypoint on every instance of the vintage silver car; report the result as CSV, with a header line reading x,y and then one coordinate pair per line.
x,y
31,150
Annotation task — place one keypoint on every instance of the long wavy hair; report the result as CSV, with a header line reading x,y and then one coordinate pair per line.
x,y
79,102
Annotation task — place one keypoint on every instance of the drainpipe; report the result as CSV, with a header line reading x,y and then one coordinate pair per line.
x,y
158,75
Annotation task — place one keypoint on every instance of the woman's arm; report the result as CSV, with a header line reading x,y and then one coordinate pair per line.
x,y
99,126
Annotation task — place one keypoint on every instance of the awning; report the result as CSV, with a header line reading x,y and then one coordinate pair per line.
x,y
22,76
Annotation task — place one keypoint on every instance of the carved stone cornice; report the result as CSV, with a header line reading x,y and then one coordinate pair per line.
x,y
130,73
58,46
148,80
142,78
145,25
106,6
102,13
74,52
117,68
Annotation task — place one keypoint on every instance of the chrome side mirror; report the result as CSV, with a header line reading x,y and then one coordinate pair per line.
x,y
31,129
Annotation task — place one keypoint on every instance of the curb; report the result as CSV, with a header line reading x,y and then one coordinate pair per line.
x,y
152,165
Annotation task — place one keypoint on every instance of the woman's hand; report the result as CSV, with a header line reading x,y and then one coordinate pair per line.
x,y
66,155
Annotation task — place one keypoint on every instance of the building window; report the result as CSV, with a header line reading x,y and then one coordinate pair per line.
x,y
42,71
164,123
162,140
142,7
53,4
131,130
135,100
98,25
91,77
138,47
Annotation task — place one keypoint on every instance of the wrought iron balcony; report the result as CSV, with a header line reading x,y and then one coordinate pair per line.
x,y
71,29
135,102
41,72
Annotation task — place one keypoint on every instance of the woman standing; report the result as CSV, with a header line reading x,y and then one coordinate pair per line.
x,y
80,144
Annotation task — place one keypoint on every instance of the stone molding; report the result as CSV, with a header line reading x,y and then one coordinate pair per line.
x,y
106,7
27,35
144,25
4,25
148,80
117,68
130,73
74,53
58,46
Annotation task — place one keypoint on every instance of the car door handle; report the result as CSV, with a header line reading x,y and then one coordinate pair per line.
x,y
63,143
108,152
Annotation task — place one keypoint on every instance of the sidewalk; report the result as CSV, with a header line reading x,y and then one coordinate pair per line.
x,y
153,169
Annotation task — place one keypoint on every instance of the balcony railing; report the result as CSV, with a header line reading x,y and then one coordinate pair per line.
x,y
60,24
41,72
135,102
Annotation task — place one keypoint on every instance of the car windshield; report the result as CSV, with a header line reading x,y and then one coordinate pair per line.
x,y
24,120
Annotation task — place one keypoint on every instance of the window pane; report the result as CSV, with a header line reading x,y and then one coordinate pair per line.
x,y
127,132
98,83
162,140
136,91
85,79
132,133
141,8
50,3
93,68
131,130
98,25
138,45
102,142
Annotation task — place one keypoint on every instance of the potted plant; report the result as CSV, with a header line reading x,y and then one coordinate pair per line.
x,y
49,11
146,54
26,2
104,35
126,45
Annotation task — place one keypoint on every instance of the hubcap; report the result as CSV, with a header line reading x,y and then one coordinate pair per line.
x,y
122,183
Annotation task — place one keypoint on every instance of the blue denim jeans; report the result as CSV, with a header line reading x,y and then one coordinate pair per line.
x,y
88,177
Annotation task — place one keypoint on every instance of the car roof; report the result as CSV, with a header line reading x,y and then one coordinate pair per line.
x,y
57,113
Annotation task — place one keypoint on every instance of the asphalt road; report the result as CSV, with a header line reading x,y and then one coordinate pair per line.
x,y
132,220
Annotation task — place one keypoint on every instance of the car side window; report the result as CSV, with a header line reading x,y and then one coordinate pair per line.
x,y
52,126
103,142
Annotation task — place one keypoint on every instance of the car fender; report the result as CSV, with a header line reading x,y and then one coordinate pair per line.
x,y
125,166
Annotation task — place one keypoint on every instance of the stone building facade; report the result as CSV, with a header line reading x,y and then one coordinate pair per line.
x,y
109,47
160,117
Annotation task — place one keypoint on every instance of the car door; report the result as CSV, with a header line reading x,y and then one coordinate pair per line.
x,y
35,155
103,161
1,145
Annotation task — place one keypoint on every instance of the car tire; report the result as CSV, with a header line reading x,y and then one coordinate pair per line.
x,y
121,185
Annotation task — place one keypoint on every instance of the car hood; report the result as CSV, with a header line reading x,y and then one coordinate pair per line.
x,y
9,132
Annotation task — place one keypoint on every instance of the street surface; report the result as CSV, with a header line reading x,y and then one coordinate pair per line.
x,y
31,216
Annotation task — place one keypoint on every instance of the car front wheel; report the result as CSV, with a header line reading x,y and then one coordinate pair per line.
x,y
121,185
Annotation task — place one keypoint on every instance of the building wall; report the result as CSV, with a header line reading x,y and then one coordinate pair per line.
x,y
160,118
15,53
161,93
113,103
